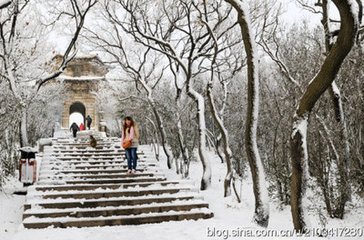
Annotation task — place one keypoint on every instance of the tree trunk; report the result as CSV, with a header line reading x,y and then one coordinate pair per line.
x,y
343,162
320,83
206,175
261,214
162,132
160,125
155,139
225,139
23,127
183,147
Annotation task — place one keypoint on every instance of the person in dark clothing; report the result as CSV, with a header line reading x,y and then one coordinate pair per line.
x,y
88,122
74,128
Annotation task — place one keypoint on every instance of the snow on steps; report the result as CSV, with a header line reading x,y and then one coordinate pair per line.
x,y
81,186
194,214
85,187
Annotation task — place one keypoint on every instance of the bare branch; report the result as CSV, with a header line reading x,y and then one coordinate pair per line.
x,y
4,4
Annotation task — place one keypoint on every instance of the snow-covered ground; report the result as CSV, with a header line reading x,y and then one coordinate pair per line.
x,y
231,220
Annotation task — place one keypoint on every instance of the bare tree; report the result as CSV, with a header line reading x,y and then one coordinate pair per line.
x,y
261,215
183,166
319,84
336,97
24,83
188,53
142,68
216,72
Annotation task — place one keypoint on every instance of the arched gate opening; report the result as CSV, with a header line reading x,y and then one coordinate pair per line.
x,y
77,113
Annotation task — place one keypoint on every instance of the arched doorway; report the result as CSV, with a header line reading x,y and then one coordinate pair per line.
x,y
77,113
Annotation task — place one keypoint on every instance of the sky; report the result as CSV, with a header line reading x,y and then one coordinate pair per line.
x,y
292,14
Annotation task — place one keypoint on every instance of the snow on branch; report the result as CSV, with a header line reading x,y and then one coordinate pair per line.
x,y
79,17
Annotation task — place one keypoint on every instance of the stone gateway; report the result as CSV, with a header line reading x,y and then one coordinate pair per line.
x,y
81,79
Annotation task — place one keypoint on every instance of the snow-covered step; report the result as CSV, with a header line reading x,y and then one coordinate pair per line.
x,y
118,157
85,187
105,167
106,150
116,180
73,165
102,175
108,166
96,194
84,167
98,171
94,160
114,211
86,154
194,214
98,163
86,143
95,153
100,145
81,186
102,163
102,202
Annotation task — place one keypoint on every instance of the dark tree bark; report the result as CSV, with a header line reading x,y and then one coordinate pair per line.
x,y
320,83
335,94
261,214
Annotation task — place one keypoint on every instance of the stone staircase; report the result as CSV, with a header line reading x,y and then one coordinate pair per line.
x,y
80,186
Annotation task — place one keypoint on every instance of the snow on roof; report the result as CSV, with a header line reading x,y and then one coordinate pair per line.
x,y
81,78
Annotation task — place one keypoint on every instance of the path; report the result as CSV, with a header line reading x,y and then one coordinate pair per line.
x,y
82,187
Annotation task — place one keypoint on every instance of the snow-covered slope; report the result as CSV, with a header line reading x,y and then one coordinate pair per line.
x,y
231,220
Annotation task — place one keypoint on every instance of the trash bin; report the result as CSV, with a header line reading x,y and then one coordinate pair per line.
x,y
28,166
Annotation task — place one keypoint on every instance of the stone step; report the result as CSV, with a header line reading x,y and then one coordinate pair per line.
x,y
124,170
81,186
112,194
86,154
123,201
94,161
86,187
58,181
194,214
88,150
119,156
104,176
115,211
104,163
87,157
97,159
122,167
86,146
78,141
116,167
103,153
109,166
116,180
